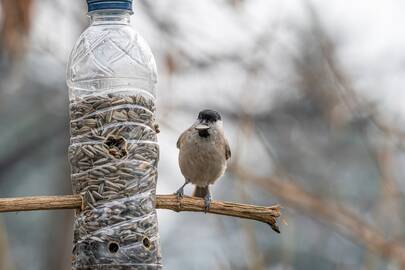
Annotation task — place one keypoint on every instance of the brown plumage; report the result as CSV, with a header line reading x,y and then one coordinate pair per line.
x,y
203,154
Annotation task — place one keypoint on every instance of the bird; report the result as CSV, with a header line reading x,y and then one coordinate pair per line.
x,y
203,154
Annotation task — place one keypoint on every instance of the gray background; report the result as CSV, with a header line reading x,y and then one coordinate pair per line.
x,y
311,93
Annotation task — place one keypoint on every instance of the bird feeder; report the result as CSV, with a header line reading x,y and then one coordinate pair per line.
x,y
113,149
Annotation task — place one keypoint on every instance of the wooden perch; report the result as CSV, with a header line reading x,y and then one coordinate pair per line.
x,y
264,214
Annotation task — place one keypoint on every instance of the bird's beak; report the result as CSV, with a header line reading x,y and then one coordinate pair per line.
x,y
202,127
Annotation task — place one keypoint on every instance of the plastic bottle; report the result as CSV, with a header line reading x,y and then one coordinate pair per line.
x,y
113,149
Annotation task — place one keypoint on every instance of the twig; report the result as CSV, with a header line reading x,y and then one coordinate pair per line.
x,y
40,203
264,214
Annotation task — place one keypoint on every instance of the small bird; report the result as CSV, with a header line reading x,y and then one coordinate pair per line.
x,y
203,154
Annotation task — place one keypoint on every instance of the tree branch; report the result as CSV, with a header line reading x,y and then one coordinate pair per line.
x,y
264,214
40,203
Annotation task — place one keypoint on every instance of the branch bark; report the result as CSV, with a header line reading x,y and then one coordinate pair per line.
x,y
268,215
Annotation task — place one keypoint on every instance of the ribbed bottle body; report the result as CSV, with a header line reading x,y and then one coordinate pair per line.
x,y
113,150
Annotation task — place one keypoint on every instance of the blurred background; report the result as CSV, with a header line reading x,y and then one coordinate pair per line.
x,y
312,96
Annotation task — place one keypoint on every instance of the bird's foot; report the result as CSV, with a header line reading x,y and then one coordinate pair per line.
x,y
207,202
179,193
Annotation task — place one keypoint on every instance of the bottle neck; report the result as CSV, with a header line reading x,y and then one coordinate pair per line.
x,y
110,17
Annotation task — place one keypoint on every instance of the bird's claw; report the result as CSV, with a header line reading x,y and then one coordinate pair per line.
x,y
207,202
179,193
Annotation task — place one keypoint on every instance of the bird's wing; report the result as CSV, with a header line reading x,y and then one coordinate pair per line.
x,y
227,150
180,139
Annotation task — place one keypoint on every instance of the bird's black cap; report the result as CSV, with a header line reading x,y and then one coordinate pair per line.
x,y
209,116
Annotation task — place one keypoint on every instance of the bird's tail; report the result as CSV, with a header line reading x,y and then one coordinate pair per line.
x,y
200,192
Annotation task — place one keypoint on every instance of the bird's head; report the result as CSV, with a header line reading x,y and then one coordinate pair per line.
x,y
208,119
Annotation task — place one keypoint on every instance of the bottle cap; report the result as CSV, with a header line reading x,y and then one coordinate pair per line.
x,y
109,4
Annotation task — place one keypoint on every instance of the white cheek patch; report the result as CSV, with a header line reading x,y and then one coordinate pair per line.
x,y
219,124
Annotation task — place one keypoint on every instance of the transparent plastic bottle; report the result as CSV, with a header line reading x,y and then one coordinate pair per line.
x,y
113,149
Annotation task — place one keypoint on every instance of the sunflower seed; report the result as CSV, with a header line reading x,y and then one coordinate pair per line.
x,y
113,157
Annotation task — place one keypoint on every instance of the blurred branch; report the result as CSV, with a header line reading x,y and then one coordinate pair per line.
x,y
5,262
329,86
16,25
342,220
264,214
171,32
389,206
256,256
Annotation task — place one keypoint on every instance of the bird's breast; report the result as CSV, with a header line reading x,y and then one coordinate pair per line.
x,y
202,160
